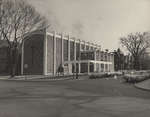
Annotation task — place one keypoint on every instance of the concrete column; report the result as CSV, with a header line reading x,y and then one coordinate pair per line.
x,y
79,56
94,67
74,49
108,67
45,54
69,65
54,67
94,55
99,56
22,58
62,49
79,68
68,48
106,56
79,49
84,45
90,46
99,67
88,67
104,68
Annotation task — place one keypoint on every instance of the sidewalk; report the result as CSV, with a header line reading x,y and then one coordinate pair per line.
x,y
145,85
41,78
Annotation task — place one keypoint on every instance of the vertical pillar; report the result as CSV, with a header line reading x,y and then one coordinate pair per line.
x,y
104,68
79,67
84,45
94,66
45,54
54,65
95,61
75,55
79,56
108,67
79,47
99,58
69,65
90,46
62,49
100,68
88,67
95,55
22,58
68,48
75,49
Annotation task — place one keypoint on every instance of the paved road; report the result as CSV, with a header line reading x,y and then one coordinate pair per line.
x,y
73,98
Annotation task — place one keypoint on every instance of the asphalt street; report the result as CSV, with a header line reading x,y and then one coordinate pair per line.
x,y
73,98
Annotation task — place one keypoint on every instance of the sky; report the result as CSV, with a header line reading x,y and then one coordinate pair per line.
x,y
99,21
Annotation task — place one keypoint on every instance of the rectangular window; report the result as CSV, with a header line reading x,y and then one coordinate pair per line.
x,y
65,50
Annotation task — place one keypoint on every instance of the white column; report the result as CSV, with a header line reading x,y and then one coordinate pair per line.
x,y
95,67
69,65
79,59
89,46
84,45
99,67
79,67
75,55
45,54
95,55
54,67
68,48
74,49
104,67
108,67
62,49
88,67
79,45
22,58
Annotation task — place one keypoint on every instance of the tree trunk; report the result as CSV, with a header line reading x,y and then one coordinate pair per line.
x,y
13,61
136,63
10,62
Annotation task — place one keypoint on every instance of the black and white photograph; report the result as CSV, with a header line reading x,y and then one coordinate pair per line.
x,y
74,58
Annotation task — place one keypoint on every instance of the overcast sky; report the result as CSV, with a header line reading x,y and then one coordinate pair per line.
x,y
99,21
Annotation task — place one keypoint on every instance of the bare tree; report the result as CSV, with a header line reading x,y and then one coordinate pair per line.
x,y
136,44
17,19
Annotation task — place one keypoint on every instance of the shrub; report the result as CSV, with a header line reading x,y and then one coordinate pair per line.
x,y
136,77
101,75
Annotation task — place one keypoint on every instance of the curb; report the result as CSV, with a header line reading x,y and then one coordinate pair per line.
x,y
39,79
35,80
142,88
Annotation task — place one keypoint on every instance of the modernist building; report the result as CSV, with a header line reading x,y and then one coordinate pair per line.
x,y
43,53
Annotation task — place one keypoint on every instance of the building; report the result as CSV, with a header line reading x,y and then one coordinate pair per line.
x,y
122,61
44,52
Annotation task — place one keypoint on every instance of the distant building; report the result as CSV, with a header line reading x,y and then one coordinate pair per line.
x,y
44,52
121,61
